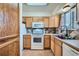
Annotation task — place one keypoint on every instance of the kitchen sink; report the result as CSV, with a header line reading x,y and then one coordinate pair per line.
x,y
64,37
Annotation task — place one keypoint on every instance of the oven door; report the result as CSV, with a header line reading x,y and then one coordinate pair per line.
x,y
37,42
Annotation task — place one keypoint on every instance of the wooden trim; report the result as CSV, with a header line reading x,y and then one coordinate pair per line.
x,y
8,37
7,43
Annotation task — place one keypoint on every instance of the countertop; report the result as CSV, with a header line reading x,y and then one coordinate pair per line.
x,y
72,43
44,34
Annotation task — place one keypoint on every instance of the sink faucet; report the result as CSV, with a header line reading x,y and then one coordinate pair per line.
x,y
65,28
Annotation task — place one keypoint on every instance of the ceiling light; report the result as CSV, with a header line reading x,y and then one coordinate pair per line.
x,y
36,4
66,8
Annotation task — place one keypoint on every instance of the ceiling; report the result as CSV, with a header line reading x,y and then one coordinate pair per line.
x,y
47,10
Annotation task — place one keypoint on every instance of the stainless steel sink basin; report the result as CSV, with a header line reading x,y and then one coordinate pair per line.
x,y
64,37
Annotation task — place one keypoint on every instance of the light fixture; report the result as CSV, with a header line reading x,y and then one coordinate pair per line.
x,y
37,4
66,8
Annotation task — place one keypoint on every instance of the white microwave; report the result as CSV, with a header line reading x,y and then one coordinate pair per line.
x,y
37,25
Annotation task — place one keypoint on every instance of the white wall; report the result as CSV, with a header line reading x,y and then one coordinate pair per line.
x,y
36,14
22,29
41,10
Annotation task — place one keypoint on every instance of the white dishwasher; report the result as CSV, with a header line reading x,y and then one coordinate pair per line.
x,y
69,51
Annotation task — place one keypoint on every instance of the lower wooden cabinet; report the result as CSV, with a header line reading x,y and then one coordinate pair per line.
x,y
27,41
52,44
47,41
58,48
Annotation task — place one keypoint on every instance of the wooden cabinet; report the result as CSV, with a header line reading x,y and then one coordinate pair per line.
x,y
52,44
46,21
27,41
54,21
58,48
57,21
28,21
37,19
47,41
51,22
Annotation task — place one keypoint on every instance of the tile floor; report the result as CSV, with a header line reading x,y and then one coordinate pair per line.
x,y
37,53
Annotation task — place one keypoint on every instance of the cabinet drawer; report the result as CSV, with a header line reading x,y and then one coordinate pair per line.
x,y
46,36
27,36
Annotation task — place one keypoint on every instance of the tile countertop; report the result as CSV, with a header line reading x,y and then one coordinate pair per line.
x,y
72,43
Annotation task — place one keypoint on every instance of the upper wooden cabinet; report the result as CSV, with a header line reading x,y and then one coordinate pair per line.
x,y
46,21
37,19
28,21
54,21
57,21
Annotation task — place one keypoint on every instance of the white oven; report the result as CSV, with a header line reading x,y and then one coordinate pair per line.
x,y
37,42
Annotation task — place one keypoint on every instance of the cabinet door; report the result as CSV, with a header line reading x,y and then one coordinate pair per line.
x,y
40,19
58,48
35,19
51,22
27,41
47,42
28,21
46,21
52,44
57,18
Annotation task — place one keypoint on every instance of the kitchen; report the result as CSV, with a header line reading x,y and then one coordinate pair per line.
x,y
39,29
54,33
